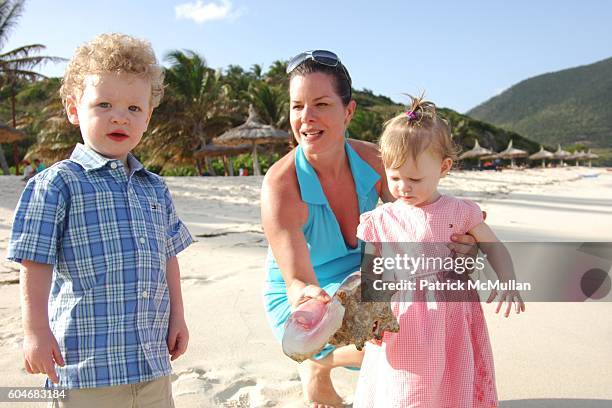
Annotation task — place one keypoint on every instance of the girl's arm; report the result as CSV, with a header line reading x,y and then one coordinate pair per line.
x,y
498,256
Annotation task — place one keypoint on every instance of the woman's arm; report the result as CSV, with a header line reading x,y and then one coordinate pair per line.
x,y
282,214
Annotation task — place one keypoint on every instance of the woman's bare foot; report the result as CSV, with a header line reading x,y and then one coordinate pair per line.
x,y
317,386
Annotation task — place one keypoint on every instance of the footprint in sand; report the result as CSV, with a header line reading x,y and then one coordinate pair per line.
x,y
261,394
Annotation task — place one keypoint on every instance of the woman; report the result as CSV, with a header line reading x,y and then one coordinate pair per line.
x,y
310,205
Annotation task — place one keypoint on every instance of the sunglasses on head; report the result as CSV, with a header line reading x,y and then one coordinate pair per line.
x,y
322,57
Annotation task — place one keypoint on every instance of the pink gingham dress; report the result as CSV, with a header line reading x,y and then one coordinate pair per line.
x,y
442,355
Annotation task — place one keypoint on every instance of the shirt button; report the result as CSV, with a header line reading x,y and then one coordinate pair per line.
x,y
146,346
145,294
113,165
142,240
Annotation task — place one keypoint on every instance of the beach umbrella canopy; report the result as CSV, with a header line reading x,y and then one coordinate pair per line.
x,y
476,152
578,155
512,153
9,134
561,154
591,156
212,150
542,155
252,133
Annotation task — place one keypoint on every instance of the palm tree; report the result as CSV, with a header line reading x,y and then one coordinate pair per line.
x,y
55,135
271,103
277,74
366,125
196,109
17,63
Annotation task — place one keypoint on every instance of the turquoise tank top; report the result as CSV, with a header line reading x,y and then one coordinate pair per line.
x,y
331,258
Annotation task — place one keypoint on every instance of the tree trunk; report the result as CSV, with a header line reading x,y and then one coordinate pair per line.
x,y
198,165
3,163
15,150
225,166
231,166
209,167
256,169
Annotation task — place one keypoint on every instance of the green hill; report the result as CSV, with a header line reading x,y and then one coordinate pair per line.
x,y
568,107
374,110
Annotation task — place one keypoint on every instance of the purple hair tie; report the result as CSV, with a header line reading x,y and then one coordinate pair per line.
x,y
411,116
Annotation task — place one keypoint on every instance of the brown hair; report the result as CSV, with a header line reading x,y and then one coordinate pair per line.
x,y
108,53
415,131
339,73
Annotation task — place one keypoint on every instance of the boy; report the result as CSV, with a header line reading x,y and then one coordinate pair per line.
x,y
101,233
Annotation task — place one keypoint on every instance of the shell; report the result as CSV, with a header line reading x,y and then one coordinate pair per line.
x,y
344,320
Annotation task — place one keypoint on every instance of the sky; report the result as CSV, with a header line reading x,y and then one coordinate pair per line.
x,y
460,53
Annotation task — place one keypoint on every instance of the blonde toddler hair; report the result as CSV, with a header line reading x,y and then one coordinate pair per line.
x,y
415,131
108,53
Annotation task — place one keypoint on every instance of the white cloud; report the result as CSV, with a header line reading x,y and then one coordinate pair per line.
x,y
201,12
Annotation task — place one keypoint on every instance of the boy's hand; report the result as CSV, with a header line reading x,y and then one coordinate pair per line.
x,y
178,337
41,352
510,297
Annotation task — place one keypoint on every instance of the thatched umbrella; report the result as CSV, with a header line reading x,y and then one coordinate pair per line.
x,y
9,135
476,152
577,155
590,156
561,154
542,155
253,133
212,150
512,153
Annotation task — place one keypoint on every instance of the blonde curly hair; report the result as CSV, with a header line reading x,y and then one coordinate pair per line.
x,y
113,52
412,132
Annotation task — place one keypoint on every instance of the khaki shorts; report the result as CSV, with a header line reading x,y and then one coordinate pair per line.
x,y
149,394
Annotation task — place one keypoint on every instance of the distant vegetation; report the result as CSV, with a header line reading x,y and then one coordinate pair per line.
x,y
567,107
205,103
201,103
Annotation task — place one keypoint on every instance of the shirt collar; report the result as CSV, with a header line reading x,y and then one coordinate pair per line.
x,y
364,176
91,160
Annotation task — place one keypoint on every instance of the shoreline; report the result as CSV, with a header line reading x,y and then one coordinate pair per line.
x,y
553,354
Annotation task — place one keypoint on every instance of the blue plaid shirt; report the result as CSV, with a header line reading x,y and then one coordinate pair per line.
x,y
108,236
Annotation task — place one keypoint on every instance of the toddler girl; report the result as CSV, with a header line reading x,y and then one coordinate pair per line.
x,y
442,356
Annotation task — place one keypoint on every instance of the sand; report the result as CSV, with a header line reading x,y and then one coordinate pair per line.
x,y
556,354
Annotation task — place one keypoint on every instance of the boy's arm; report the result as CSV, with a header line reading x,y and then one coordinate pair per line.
x,y
178,334
40,347
499,258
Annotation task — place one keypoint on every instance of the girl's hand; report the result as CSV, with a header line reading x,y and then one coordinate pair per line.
x,y
510,297
311,292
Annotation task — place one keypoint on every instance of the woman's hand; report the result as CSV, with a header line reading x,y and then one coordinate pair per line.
x,y
310,291
465,245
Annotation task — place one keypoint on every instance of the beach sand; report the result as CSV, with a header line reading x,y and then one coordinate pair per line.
x,y
556,354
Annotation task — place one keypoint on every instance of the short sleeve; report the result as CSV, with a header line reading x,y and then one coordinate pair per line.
x,y
177,235
38,226
366,230
472,214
